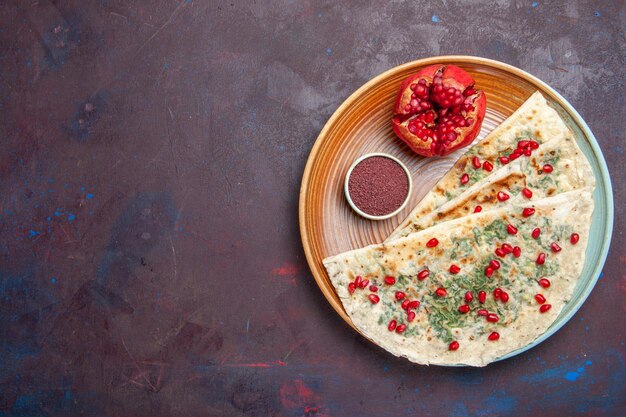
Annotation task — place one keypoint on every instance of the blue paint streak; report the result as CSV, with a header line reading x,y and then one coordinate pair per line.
x,y
329,51
71,217
596,13
535,4
89,196
32,233
54,280
435,19
572,376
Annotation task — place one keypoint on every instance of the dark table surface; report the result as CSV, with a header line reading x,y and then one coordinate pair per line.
x,y
151,154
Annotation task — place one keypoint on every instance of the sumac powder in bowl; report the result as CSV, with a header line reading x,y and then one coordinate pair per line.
x,y
377,186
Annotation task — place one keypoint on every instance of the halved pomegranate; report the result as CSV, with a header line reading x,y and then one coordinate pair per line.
x,y
438,110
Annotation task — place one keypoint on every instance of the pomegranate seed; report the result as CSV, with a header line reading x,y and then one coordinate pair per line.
x,y
540,298
504,297
478,209
476,162
410,316
432,243
555,248
364,283
423,274
574,238
389,280
488,271
492,317
528,151
533,144
545,307
527,193
512,230
414,304
504,160
441,292
468,297
373,288
527,212
482,297
517,251
392,325
544,282
401,328
547,168
502,196
454,345
405,304
494,264
497,293
464,179
487,166
454,269
464,309
358,280
374,298
541,259
351,287
494,336
507,248
515,154
400,295
522,144
500,253
482,312
536,232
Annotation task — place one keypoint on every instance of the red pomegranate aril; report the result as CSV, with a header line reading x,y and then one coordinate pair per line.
x,y
494,336
464,179
528,152
500,253
478,209
454,345
545,307
482,297
358,280
555,248
504,160
517,251
405,304
527,193
574,238
502,196
512,230
507,248
373,288
401,328
487,166
414,304
541,259
410,316
547,168
469,297
497,293
504,297
441,292
374,298
364,283
492,318
389,280
528,211
432,243
454,269
494,264
488,272
464,309
522,144
515,154
423,274
392,325
533,144
540,298
536,232
476,162
400,295
544,282
482,312
351,287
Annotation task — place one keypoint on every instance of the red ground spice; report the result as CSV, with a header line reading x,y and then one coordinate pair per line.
x,y
378,185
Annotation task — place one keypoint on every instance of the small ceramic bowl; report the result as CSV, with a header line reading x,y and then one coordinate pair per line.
x,y
361,212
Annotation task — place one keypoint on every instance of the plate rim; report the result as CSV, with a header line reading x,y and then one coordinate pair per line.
x,y
576,117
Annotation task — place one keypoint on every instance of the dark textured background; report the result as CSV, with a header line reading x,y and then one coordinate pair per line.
x,y
150,161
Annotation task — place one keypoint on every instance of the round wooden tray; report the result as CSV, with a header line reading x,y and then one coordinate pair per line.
x,y
362,124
